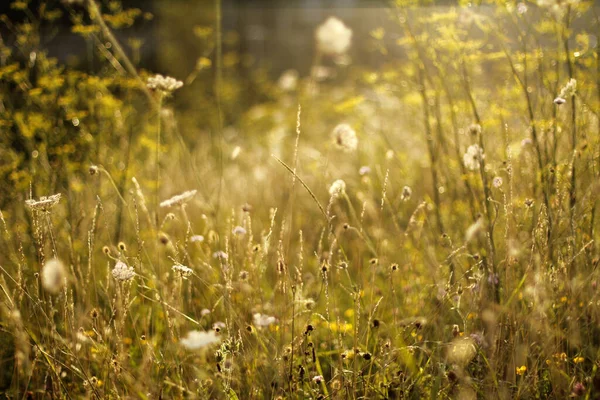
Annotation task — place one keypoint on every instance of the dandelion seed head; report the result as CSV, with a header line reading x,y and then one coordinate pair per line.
x,y
333,37
345,138
53,276
337,188
473,157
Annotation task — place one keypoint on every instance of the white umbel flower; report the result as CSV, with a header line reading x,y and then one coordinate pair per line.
x,y
165,84
45,203
53,276
179,199
182,270
333,37
198,339
345,138
473,157
122,272
337,188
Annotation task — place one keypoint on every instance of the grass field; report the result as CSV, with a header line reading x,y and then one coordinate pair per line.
x,y
425,228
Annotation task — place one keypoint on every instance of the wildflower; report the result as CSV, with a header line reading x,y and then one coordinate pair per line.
x,y
567,91
204,312
262,320
345,138
45,203
497,182
578,389
578,360
559,100
218,326
165,84
179,199
529,203
521,8
333,37
220,255
521,370
122,272
317,379
475,129
197,238
238,230
526,142
493,279
474,229
93,170
182,270
337,188
473,157
53,276
364,170
406,193
198,339
244,275
288,80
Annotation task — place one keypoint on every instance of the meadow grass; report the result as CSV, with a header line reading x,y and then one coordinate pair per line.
x,y
423,229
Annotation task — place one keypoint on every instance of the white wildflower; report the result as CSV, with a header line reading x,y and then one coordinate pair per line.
x,y
179,199
239,231
197,238
122,272
497,182
345,137
45,203
53,276
364,170
521,8
567,91
198,339
220,255
474,229
182,270
165,84
262,320
406,193
337,188
473,157
333,37
288,80
317,379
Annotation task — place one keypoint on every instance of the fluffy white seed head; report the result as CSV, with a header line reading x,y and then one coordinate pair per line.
x,y
53,276
345,138
333,37
198,339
